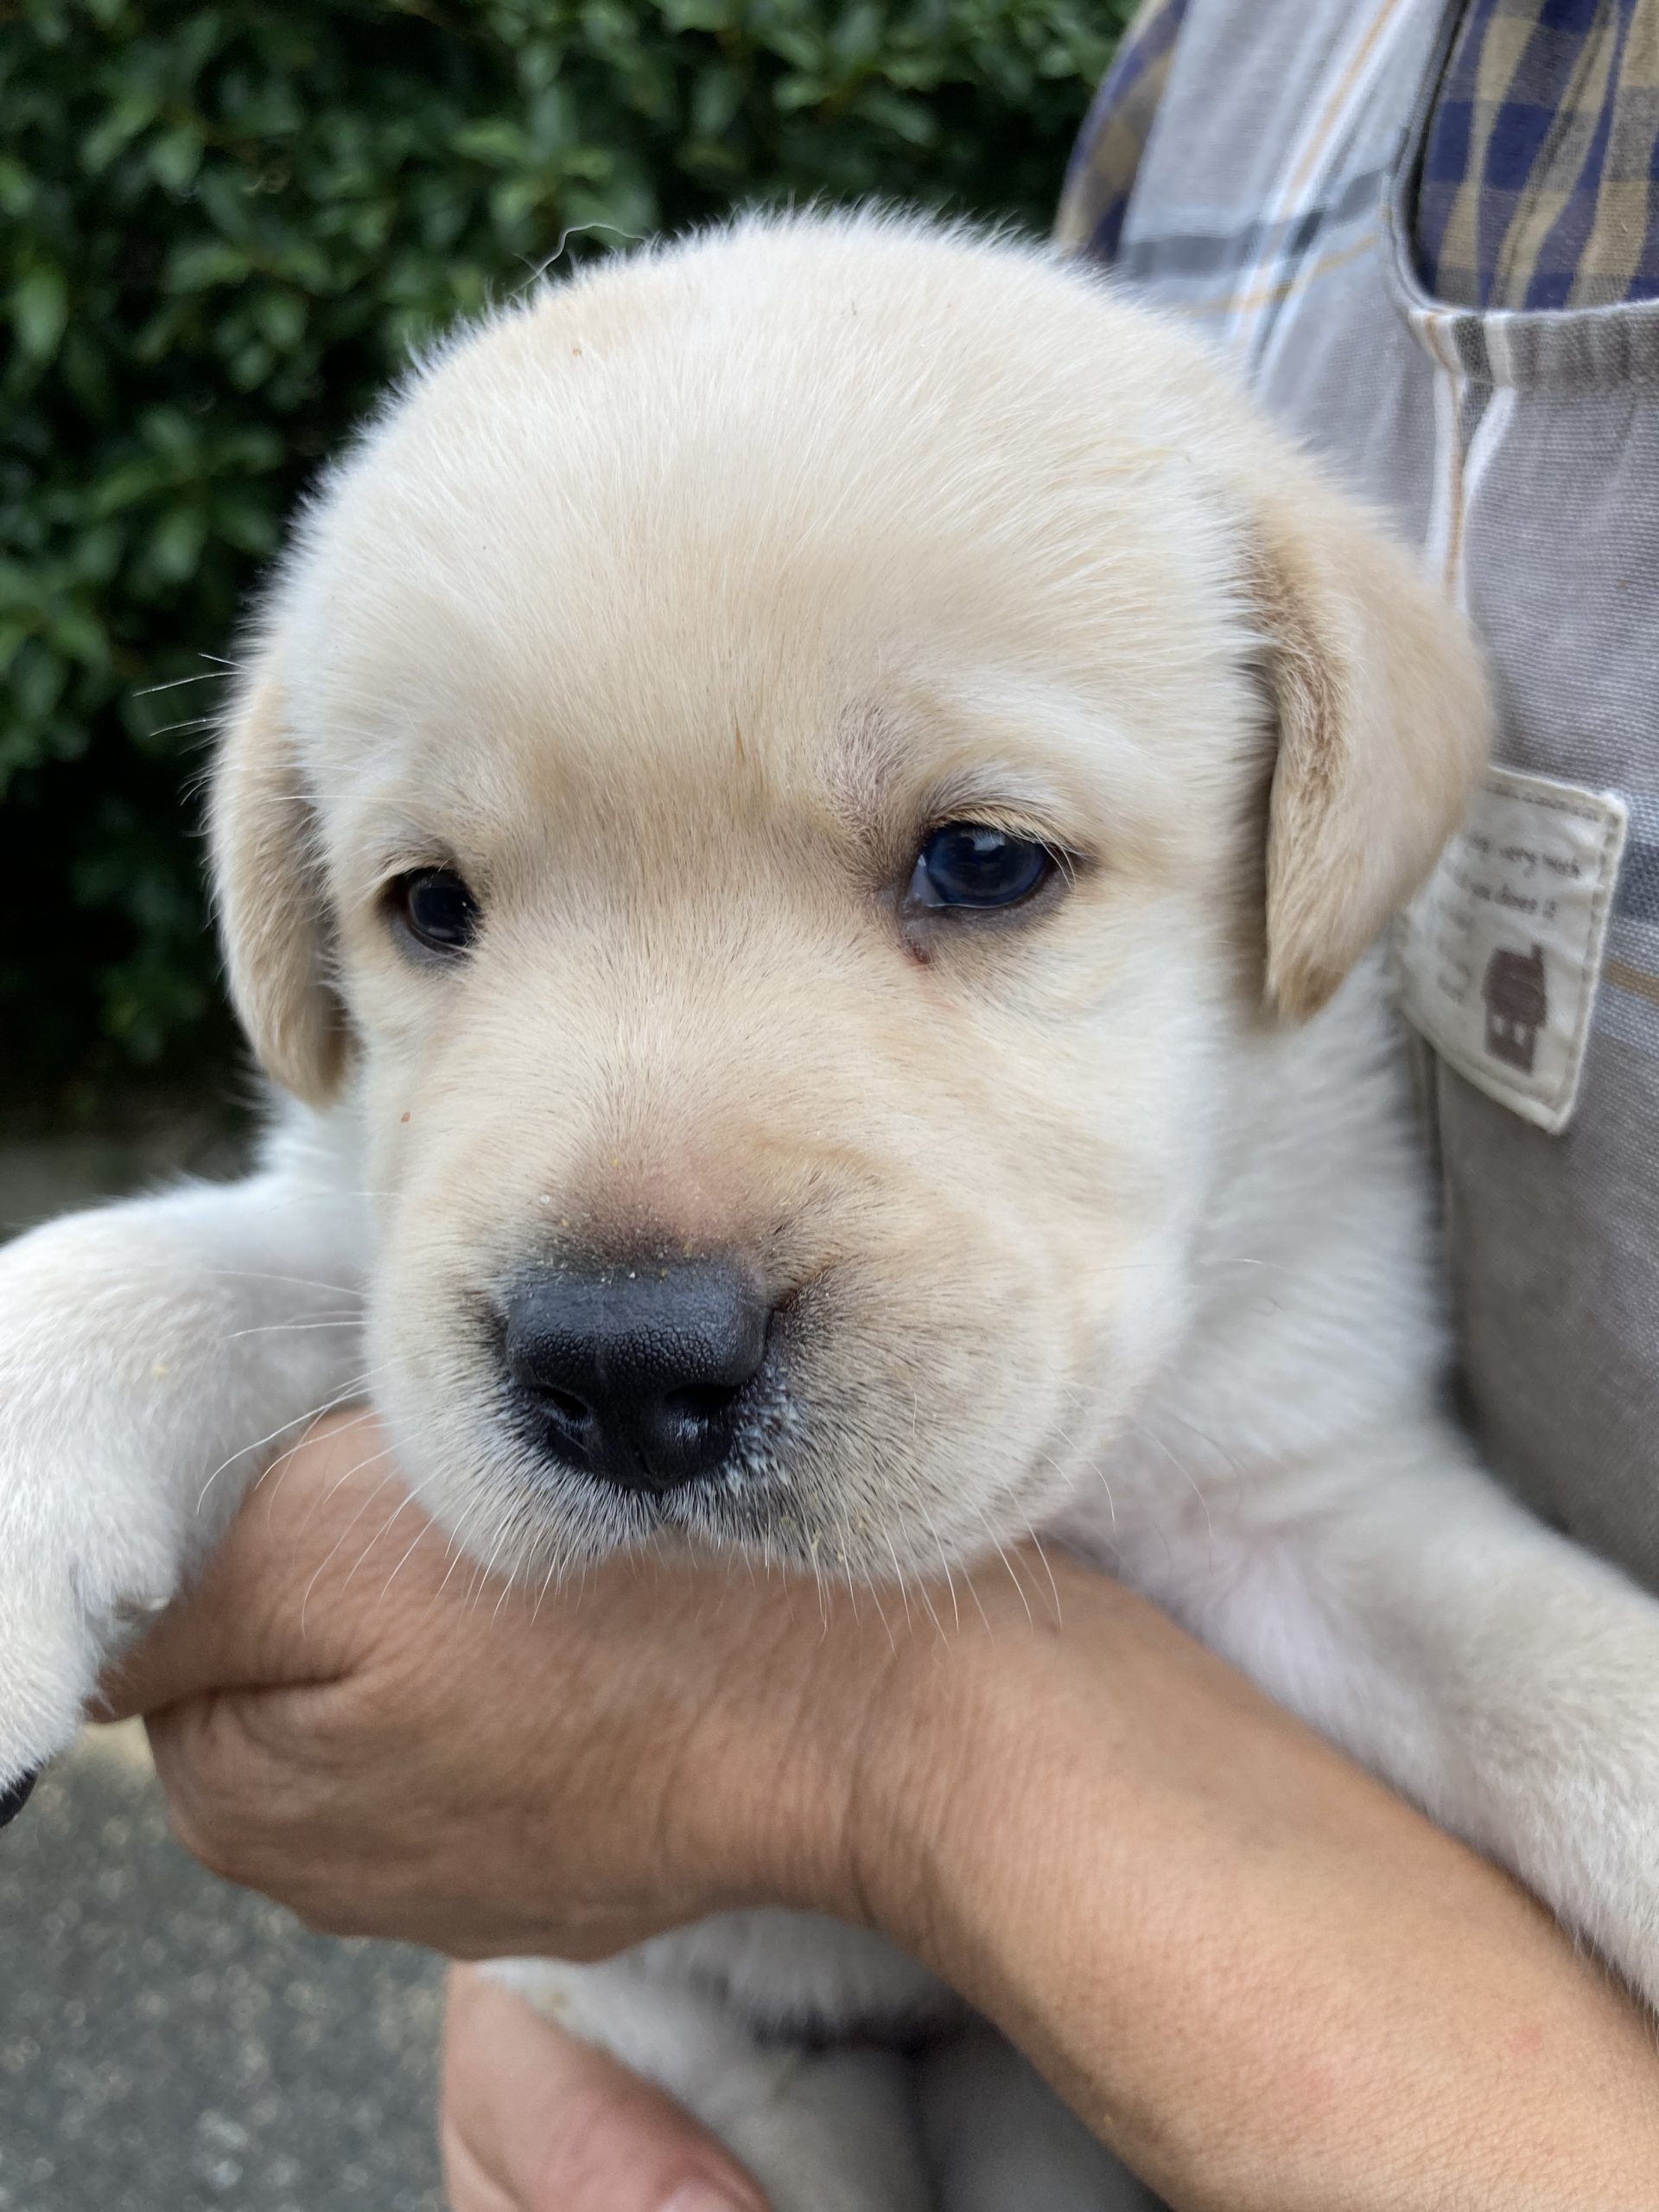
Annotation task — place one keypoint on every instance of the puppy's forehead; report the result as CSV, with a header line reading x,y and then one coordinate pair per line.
x,y
752,502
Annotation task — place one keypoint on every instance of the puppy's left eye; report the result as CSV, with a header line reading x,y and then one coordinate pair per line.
x,y
436,907
969,864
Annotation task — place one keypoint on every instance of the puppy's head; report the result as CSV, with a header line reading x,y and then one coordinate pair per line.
x,y
788,777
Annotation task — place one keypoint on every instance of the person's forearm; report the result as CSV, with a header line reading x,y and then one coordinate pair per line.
x,y
1262,1978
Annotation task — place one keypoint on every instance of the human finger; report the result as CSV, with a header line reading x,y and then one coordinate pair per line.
x,y
532,2120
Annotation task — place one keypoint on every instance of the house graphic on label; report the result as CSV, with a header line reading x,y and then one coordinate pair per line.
x,y
1517,1005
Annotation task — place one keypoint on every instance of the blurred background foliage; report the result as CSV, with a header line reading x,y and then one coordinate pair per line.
x,y
224,228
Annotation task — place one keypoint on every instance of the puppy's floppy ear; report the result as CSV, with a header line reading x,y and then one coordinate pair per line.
x,y
269,892
1383,727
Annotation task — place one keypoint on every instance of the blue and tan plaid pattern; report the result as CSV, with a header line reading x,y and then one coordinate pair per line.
x,y
1537,187
1539,180
1247,262
1101,172
1539,183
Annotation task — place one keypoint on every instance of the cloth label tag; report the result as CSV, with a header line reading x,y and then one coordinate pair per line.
x,y
1500,952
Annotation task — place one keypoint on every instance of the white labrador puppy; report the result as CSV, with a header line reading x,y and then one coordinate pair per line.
x,y
803,832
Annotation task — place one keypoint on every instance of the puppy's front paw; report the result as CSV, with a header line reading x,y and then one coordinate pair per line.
x,y
50,1659
152,1354
73,1588
90,1538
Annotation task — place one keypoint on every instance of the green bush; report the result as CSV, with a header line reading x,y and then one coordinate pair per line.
x,y
225,227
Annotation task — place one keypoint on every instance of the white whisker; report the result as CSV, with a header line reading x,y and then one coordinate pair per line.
x,y
352,1390
997,1547
269,1328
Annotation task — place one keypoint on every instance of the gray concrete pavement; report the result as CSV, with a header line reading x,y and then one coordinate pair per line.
x,y
170,2044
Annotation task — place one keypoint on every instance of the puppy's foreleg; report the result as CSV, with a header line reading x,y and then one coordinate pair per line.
x,y
154,1356
821,2129
996,2135
1505,1679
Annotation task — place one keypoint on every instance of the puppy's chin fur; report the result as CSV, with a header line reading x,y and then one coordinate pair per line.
x,y
672,609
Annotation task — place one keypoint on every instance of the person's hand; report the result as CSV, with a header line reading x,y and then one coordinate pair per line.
x,y
329,1728
533,2120
350,1719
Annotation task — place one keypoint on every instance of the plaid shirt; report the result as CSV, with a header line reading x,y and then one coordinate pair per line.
x,y
1539,180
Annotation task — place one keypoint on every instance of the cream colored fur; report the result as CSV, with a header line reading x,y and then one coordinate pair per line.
x,y
674,606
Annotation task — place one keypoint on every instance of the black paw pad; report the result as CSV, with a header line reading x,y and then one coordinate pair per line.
x,y
15,1796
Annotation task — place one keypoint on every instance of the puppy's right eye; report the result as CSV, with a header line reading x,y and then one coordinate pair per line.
x,y
434,906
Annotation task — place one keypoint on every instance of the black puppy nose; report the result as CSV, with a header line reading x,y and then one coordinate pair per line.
x,y
634,1371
